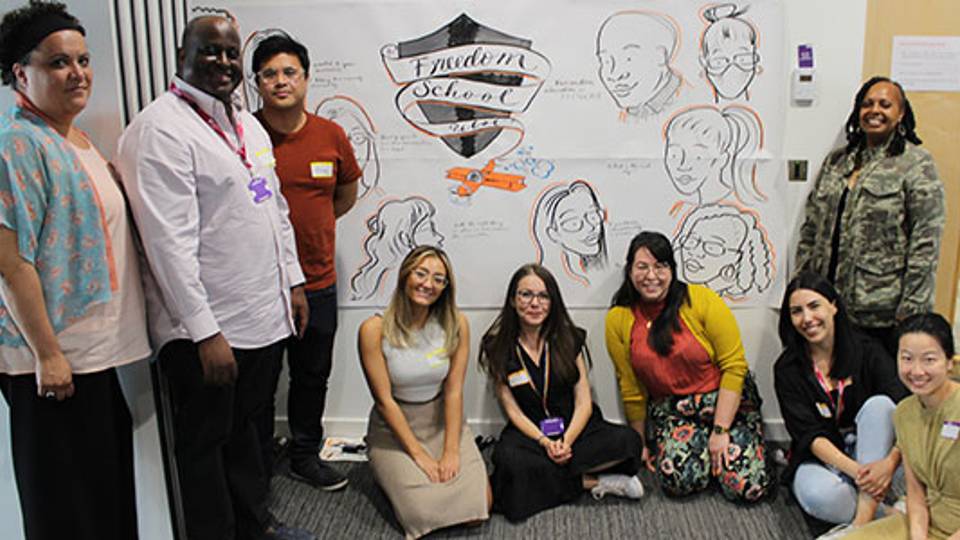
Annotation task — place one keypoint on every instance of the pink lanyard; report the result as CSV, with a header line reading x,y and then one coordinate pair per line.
x,y
841,385
241,151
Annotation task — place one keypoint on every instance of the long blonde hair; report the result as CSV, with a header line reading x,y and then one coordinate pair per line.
x,y
397,319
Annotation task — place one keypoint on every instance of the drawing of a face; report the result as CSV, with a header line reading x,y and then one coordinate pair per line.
x,y
577,224
633,50
712,249
425,234
729,57
350,116
692,158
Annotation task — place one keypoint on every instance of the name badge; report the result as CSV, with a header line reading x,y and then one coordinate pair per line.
x,y
260,189
437,358
321,169
950,430
265,158
518,378
824,410
552,427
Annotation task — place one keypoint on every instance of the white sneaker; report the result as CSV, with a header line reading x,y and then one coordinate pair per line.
x,y
837,532
620,485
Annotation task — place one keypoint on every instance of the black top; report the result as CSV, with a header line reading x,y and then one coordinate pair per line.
x,y
835,239
799,392
560,395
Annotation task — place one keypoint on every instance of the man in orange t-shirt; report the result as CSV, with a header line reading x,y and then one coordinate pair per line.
x,y
318,177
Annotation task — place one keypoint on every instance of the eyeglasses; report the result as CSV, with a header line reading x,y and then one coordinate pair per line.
x,y
270,75
717,65
659,268
527,297
439,280
713,248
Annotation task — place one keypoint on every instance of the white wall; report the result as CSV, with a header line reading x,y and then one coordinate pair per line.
x,y
836,29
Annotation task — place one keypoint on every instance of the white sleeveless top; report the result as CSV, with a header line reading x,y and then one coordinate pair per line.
x,y
417,372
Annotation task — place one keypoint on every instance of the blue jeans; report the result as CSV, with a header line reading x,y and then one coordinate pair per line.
x,y
830,495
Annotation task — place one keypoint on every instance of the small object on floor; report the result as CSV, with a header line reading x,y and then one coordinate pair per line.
x,y
620,485
483,442
318,474
343,449
780,457
279,531
839,531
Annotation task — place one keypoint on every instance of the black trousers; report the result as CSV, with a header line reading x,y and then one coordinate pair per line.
x,y
310,359
73,459
218,440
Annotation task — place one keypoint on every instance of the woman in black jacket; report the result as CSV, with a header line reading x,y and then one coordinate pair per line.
x,y
837,391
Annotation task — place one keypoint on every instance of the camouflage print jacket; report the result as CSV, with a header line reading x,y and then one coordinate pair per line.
x,y
889,234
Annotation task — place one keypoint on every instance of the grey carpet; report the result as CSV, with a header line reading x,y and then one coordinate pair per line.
x,y
361,511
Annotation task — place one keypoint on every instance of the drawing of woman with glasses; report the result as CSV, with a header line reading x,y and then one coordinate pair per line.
x,y
568,230
726,249
728,51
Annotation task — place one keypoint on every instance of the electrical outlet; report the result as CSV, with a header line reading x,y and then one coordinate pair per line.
x,y
797,170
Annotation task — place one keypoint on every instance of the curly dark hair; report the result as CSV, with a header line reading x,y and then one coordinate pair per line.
x,y
15,29
857,139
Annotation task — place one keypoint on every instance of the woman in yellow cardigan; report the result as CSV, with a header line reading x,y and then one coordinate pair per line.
x,y
679,360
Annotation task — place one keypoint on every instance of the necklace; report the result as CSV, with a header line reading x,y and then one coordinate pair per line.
x,y
646,316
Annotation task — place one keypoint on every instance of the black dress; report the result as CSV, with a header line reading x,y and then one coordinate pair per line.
x,y
524,480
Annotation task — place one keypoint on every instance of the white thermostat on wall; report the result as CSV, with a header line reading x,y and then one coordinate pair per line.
x,y
803,85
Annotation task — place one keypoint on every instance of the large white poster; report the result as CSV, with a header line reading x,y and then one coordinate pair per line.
x,y
525,130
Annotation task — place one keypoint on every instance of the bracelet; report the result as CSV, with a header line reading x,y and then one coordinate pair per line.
x,y
720,430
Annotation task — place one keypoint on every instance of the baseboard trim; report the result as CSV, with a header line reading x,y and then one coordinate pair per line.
x,y
357,428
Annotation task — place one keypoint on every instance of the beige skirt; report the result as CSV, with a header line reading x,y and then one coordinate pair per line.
x,y
422,506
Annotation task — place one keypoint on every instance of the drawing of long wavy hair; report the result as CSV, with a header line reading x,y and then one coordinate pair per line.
x,y
353,118
726,249
394,230
568,229
710,152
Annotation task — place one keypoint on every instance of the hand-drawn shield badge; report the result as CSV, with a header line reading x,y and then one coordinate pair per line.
x,y
464,83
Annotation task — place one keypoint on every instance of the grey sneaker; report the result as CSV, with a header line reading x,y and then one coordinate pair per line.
x,y
620,485
318,474
283,532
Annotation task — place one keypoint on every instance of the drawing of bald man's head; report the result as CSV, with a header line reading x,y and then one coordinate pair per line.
x,y
634,49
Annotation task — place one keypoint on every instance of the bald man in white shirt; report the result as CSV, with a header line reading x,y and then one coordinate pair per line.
x,y
224,289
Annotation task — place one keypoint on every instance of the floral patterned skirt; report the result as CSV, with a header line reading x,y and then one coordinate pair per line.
x,y
681,427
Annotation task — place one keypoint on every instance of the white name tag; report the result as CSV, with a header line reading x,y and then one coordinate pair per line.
x,y
518,377
824,410
950,430
321,169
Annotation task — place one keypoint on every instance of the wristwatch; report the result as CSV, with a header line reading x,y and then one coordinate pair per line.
x,y
720,430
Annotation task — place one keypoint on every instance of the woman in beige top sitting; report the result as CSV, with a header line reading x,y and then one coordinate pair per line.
x,y
415,358
928,434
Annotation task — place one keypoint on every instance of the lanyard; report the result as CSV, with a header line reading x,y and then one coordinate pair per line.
x,y
241,151
841,385
546,376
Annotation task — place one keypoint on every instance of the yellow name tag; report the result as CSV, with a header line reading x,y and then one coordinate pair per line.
x,y
265,158
518,377
321,169
437,358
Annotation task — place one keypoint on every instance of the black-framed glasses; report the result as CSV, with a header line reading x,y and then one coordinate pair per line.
x,y
527,297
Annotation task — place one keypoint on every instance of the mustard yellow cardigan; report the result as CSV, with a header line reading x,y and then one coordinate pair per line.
x,y
712,324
